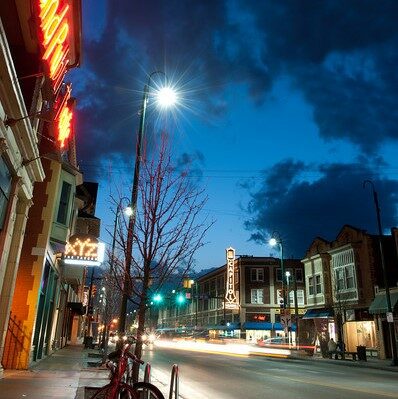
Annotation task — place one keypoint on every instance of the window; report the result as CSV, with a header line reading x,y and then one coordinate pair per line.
x,y
300,298
318,284
344,271
62,216
257,296
310,285
5,189
345,278
257,274
278,274
299,275
315,285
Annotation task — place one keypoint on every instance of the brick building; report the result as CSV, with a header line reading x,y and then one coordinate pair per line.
x,y
251,311
342,277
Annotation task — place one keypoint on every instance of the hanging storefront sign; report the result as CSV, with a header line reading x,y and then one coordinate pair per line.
x,y
54,36
84,250
231,300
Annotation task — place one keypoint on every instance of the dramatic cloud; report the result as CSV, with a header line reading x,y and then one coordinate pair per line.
x,y
299,209
343,56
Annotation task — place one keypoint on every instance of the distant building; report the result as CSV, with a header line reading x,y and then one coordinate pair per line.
x,y
251,310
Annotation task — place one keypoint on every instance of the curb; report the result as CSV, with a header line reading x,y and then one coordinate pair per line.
x,y
349,363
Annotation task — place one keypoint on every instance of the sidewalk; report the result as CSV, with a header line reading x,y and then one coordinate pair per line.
x,y
372,362
61,375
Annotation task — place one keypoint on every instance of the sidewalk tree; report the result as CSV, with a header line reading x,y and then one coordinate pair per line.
x,y
170,227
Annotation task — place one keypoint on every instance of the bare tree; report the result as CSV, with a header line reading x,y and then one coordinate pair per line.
x,y
170,228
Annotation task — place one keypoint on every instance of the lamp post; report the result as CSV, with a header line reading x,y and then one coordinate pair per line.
x,y
383,267
166,97
276,240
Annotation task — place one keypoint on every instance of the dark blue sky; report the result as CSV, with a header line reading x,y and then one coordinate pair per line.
x,y
286,107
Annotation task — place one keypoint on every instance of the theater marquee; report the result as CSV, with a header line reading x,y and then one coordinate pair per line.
x,y
231,300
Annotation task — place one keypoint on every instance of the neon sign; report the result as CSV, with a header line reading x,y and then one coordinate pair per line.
x,y
54,28
63,114
64,125
84,250
231,301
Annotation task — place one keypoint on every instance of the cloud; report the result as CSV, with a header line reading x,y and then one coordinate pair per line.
x,y
301,209
341,56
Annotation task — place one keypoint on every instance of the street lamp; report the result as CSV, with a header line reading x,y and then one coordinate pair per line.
x,y
165,98
383,268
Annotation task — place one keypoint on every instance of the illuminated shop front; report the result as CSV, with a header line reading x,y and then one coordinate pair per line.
x,y
358,333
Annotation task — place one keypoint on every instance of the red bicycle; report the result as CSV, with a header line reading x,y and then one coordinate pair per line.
x,y
118,388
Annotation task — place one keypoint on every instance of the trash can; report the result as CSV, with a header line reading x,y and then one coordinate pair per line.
x,y
88,342
361,353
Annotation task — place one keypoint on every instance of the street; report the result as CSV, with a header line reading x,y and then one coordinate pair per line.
x,y
218,376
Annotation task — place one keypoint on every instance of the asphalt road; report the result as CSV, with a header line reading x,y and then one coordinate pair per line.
x,y
216,376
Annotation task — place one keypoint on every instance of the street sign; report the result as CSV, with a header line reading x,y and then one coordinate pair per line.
x,y
286,320
390,317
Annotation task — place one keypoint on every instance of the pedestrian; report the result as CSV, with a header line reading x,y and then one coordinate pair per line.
x,y
332,348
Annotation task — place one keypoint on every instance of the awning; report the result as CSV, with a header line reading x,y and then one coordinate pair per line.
x,y
253,325
318,314
379,304
281,327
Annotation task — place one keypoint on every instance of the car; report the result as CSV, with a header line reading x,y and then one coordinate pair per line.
x,y
275,341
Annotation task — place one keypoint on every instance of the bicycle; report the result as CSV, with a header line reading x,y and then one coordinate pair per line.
x,y
118,388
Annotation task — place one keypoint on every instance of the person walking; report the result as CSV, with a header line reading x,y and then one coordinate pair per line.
x,y
332,348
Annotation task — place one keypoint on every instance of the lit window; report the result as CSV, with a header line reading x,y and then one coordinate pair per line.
x,y
300,298
257,296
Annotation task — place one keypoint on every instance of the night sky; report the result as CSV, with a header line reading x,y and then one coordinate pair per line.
x,y
286,107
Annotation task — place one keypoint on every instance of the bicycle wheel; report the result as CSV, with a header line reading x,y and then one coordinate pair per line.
x,y
123,391
146,390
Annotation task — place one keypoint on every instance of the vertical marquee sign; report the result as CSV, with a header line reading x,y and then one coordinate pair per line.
x,y
54,38
54,31
231,301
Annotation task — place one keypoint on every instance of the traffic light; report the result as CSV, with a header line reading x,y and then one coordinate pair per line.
x,y
180,299
158,298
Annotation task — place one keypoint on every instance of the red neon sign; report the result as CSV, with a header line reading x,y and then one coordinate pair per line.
x,y
64,125
63,114
54,28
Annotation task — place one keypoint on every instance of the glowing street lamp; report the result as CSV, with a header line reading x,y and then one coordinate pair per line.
x,y
165,97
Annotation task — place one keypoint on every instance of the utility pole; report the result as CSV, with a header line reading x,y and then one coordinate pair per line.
x,y
385,279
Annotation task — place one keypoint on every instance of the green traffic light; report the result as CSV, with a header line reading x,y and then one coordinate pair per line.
x,y
180,299
158,298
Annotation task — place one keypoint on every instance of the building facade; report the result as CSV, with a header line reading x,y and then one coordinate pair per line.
x,y
41,297
251,310
342,277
